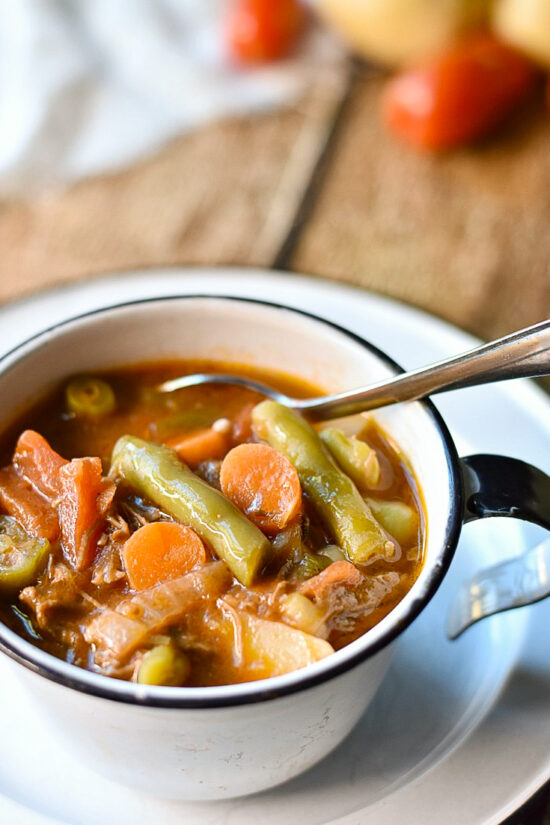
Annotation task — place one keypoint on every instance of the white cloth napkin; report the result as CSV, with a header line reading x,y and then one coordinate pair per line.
x,y
89,86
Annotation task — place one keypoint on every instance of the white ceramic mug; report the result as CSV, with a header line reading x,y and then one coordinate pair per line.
x,y
216,742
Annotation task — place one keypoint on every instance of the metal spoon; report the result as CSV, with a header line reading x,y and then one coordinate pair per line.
x,y
515,583
523,354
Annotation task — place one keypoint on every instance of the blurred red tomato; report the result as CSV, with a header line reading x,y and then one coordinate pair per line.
x,y
459,96
261,30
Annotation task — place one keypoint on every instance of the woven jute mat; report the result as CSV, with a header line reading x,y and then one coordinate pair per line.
x,y
465,235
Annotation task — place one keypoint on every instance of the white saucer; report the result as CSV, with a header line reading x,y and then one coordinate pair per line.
x,y
459,732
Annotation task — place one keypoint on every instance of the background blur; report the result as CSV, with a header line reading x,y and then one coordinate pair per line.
x,y
147,132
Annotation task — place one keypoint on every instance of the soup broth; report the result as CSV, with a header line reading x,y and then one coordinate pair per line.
x,y
201,537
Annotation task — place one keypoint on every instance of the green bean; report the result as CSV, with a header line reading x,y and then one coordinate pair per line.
x,y
309,565
164,665
397,518
89,397
336,498
354,457
21,557
156,473
350,425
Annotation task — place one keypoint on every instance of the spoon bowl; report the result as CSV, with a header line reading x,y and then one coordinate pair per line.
x,y
199,378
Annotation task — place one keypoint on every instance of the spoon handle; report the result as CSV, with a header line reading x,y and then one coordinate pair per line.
x,y
514,583
524,354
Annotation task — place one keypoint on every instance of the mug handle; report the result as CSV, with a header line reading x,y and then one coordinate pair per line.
x,y
495,485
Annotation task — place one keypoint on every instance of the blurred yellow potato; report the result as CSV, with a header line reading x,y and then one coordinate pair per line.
x,y
275,648
526,25
397,32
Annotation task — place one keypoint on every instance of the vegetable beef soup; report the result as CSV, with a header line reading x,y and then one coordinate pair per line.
x,y
203,537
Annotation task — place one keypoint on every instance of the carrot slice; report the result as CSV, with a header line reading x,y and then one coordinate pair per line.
x,y
262,483
80,518
105,497
199,446
32,511
242,424
159,552
335,576
36,461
